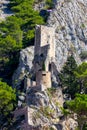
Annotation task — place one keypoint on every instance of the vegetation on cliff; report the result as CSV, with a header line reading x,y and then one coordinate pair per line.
x,y
16,33
67,77
7,102
81,76
74,80
78,106
73,77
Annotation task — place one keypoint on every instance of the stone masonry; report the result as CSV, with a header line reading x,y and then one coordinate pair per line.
x,y
44,46
44,56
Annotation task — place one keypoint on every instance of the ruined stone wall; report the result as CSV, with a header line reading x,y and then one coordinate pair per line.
x,y
29,83
25,124
44,36
48,37
44,46
43,79
46,79
21,111
38,78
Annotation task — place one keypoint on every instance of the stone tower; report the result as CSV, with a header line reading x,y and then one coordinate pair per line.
x,y
44,55
43,59
44,45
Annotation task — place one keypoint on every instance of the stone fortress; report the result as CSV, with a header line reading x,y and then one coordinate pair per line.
x,y
44,57
69,19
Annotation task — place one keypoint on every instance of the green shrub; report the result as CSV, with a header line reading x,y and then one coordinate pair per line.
x,y
7,102
49,4
83,55
17,32
46,111
51,91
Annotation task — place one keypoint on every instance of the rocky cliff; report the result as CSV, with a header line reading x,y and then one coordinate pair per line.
x,y
4,10
43,111
69,19
25,66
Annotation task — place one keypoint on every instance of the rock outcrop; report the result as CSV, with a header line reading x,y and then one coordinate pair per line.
x,y
69,19
25,66
45,106
42,111
4,10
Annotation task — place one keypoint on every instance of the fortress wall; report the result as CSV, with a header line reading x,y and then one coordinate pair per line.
x,y
48,38
46,79
38,78
20,112
43,78
45,36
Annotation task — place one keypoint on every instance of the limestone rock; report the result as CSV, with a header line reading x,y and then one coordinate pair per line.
x,y
44,108
25,66
22,98
69,18
70,124
44,111
4,10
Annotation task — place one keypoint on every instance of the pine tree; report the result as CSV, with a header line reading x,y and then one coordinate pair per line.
x,y
79,106
67,77
81,75
7,102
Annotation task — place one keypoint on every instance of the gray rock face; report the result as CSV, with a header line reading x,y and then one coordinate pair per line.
x,y
4,10
44,107
44,110
69,18
25,66
69,124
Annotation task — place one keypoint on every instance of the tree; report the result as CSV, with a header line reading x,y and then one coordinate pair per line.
x,y
67,77
17,32
79,106
81,75
7,101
